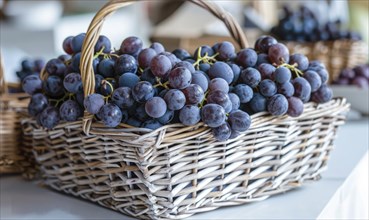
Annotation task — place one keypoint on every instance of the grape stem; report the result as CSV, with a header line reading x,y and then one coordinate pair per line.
x,y
105,81
62,99
205,59
293,68
159,83
201,104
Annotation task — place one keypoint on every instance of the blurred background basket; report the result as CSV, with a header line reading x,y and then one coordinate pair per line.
x,y
176,171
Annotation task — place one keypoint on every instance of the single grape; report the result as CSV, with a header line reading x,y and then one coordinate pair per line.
x,y
148,76
125,64
175,99
75,63
32,84
73,83
181,54
156,107
37,104
80,98
131,45
301,60
167,117
295,107
189,115
152,124
247,58
322,95
278,53
142,91
173,59
302,89
53,86
277,105
267,88
282,75
55,67
107,87
251,77
234,134
324,75
258,103
106,68
128,80
262,58
163,92
239,120
122,97
158,47
49,117
110,115
180,78
98,82
236,72
213,115
160,66
186,65
264,43
70,111
266,70
314,80
219,84
219,97
199,78
93,103
244,92
103,42
221,70
222,133
194,94
64,58
226,51
67,45
140,113
235,101
77,42
204,67
286,89
145,57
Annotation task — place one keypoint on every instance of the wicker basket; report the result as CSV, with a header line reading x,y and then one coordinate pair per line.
x,y
177,171
336,55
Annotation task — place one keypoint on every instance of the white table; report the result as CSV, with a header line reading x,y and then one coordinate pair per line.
x,y
327,198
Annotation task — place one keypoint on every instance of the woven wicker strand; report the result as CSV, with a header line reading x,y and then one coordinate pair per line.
x,y
176,171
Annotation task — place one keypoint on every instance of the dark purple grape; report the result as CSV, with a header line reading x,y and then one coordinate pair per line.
x,y
236,72
267,88
143,91
73,83
189,115
134,122
219,84
324,75
64,58
244,92
55,67
106,87
247,58
156,107
40,64
131,46
93,103
77,42
301,60
32,84
103,42
122,97
152,124
235,100
194,94
213,115
70,111
158,47
140,113
80,98
179,78
186,65
110,115
239,120
199,78
222,133
221,70
175,99
361,82
167,117
314,80
302,89
173,59
148,76
234,134
53,86
258,103
279,54
128,80
277,105
262,58
205,50
282,75
145,57
106,68
37,104
286,89
219,97
226,51
265,43
295,107
323,95
67,45
251,77
160,66
266,70
181,54
49,117
98,82
204,67
125,64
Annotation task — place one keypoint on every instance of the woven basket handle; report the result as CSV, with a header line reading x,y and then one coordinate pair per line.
x,y
3,85
108,9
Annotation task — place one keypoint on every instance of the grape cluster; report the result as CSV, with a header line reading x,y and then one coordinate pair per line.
x,y
303,25
151,87
29,75
358,76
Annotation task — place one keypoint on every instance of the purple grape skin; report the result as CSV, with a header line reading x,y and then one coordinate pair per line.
x,y
342,81
186,65
265,43
142,91
323,95
302,89
155,107
301,60
222,133
258,103
110,115
103,42
175,99
194,94
218,84
189,115
324,75
32,84
98,82
286,89
314,80
266,70
218,97
80,98
262,58
361,82
226,51
244,92
140,113
128,80
131,45
235,101
221,70
158,47
199,78
234,134
278,54
167,117
37,104
70,111
151,124
362,70
77,42
73,83
106,68
247,58
236,72
239,120
173,59
122,97
181,54
55,67
277,105
76,61
267,88
282,75
49,117
53,86
133,122
93,103
67,45
295,107
160,66
145,56
213,115
125,64
148,76
251,77
179,78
